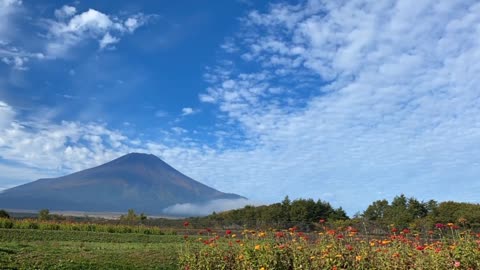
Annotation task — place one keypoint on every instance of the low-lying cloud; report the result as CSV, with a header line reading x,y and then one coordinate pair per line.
x,y
203,209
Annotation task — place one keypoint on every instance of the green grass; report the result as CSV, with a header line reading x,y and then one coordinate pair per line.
x,y
34,249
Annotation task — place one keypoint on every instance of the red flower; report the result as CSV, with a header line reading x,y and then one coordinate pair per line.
x,y
340,236
186,223
228,232
439,226
279,235
394,230
349,247
406,231
420,248
321,220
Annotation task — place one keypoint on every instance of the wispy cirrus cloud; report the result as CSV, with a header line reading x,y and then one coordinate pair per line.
x,y
11,55
7,9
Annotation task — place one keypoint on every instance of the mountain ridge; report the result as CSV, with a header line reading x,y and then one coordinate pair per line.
x,y
140,181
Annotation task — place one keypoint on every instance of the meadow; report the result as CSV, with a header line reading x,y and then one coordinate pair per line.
x,y
35,244
72,249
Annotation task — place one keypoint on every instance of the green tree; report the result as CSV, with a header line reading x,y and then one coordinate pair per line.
x,y
286,203
4,214
416,209
377,210
130,217
44,214
338,214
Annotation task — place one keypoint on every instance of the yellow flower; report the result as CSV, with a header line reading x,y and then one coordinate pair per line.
x,y
257,247
262,268
234,235
358,258
312,257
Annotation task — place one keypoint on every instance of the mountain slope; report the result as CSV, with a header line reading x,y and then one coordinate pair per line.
x,y
140,181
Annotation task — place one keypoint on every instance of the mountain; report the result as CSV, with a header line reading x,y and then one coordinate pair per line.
x,y
140,181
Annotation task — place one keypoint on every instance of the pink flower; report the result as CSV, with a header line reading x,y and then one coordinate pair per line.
x,y
456,264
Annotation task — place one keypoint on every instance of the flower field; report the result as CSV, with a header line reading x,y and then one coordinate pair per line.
x,y
443,247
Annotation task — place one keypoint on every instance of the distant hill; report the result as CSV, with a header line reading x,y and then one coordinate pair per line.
x,y
140,181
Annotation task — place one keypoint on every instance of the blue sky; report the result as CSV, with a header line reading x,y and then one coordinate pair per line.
x,y
346,101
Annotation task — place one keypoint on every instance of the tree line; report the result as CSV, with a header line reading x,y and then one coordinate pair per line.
x,y
401,212
301,213
410,212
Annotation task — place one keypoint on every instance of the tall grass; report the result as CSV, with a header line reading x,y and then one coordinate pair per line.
x,y
35,224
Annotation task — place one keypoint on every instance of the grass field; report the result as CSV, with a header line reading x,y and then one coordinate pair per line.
x,y
36,249
447,246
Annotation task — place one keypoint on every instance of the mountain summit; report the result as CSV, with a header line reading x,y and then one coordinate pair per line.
x,y
143,182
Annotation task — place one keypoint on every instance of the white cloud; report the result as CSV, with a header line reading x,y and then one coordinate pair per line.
x,y
17,62
108,40
7,9
65,12
204,209
9,54
131,24
17,58
188,111
376,95
179,130
91,24
341,99
6,116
